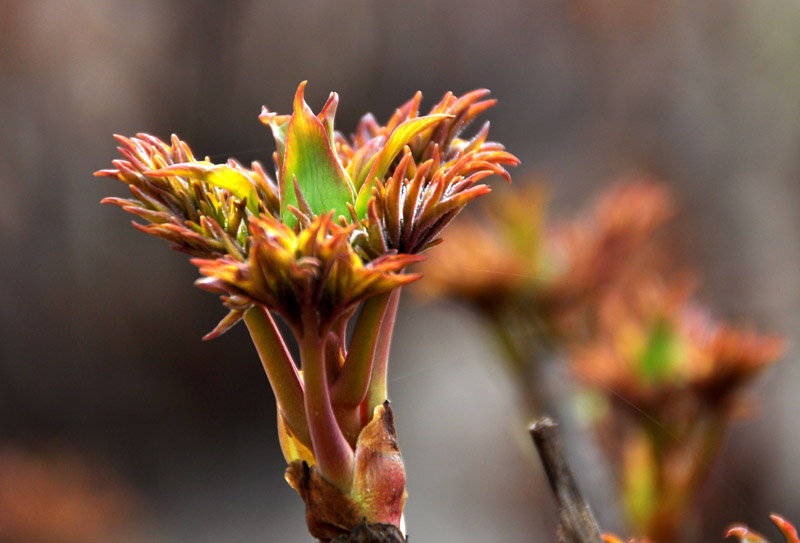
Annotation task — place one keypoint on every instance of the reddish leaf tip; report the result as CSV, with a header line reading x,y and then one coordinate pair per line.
x,y
299,96
789,532
737,530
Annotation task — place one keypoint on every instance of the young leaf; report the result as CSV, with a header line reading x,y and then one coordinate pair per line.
x,y
662,353
310,158
224,176
381,162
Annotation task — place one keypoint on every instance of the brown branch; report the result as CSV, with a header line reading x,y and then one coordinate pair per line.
x,y
576,523
372,533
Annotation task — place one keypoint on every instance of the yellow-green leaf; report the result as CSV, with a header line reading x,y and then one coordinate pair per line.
x,y
310,159
292,448
662,353
381,162
223,176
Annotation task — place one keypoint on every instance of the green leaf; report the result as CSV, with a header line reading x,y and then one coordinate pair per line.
x,y
224,176
310,158
662,353
381,162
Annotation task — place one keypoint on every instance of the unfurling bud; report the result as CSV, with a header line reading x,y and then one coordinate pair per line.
x,y
377,492
334,231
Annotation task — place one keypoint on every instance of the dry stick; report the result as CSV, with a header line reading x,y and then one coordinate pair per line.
x,y
372,533
576,523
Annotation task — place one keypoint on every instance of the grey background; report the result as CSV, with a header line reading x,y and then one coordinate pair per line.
x,y
100,327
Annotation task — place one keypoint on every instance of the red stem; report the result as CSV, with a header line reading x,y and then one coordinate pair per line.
x,y
332,452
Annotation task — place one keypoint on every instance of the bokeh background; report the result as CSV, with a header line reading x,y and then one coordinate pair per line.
x,y
100,354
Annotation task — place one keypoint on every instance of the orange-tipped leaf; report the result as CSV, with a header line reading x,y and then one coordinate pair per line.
x,y
399,138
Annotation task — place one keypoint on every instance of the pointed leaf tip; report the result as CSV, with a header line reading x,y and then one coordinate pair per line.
x,y
299,96
326,116
789,532
309,157
744,534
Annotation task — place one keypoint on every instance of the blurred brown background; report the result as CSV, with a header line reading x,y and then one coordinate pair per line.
x,y
100,327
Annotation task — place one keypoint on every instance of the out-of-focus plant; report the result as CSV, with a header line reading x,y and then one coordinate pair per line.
x,y
333,232
673,378
61,496
665,379
741,532
536,281
746,535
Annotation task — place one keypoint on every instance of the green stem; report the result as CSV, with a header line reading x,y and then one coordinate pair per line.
x,y
332,452
351,387
280,369
377,394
